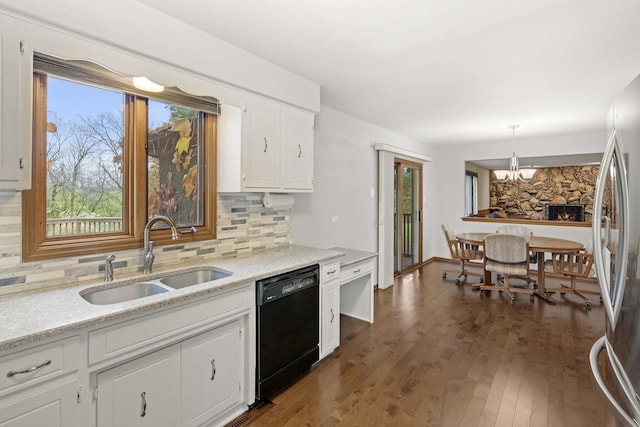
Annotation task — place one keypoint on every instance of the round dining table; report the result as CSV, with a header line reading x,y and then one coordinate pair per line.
x,y
539,244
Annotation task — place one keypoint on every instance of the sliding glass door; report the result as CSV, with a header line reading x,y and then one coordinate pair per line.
x,y
407,215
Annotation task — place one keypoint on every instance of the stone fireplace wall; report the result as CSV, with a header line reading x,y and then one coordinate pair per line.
x,y
566,185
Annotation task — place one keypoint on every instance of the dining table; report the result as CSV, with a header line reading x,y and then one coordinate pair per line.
x,y
538,244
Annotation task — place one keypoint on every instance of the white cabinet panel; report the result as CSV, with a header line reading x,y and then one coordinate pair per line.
x,y
330,318
143,392
264,134
211,373
16,77
298,151
47,405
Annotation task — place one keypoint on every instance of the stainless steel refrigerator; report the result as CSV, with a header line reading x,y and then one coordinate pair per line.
x,y
616,237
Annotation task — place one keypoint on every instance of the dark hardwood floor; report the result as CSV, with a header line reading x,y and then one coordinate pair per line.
x,y
439,354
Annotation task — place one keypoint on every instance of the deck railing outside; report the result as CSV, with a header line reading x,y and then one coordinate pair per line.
x,y
407,227
74,226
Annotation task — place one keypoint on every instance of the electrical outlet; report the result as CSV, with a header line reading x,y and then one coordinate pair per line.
x,y
335,218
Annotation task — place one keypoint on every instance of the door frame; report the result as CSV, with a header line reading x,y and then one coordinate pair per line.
x,y
386,155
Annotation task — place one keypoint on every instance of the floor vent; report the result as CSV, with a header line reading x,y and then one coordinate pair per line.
x,y
253,413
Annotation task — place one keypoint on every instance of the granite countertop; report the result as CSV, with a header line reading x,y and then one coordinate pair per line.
x,y
38,315
352,256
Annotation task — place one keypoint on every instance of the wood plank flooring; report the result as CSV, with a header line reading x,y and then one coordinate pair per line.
x,y
439,354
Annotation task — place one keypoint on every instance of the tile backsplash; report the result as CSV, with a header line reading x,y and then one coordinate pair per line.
x,y
244,225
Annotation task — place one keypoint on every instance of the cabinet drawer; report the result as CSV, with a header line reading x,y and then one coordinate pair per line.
x,y
164,326
329,272
355,270
39,364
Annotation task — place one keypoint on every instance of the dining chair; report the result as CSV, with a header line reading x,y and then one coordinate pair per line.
x,y
507,254
573,265
463,252
521,230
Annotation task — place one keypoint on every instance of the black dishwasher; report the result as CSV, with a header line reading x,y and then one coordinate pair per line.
x,y
288,329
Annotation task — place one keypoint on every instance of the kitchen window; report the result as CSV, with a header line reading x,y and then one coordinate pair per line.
x,y
107,157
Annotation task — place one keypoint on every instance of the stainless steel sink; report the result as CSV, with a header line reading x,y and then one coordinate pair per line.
x,y
122,293
156,284
193,277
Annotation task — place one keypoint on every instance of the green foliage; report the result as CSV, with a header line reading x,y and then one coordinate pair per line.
x,y
179,112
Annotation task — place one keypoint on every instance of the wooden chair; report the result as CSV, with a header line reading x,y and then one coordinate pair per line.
x,y
507,254
463,252
572,265
521,230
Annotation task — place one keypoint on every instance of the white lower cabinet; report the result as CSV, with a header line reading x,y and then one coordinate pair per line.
x,y
211,374
47,405
330,308
39,386
186,384
143,392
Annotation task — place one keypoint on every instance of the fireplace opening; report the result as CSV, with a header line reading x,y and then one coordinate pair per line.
x,y
564,213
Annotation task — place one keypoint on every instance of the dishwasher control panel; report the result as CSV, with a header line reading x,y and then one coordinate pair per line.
x,y
280,286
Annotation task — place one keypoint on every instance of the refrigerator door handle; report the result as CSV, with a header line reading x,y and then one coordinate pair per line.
x,y
597,348
611,296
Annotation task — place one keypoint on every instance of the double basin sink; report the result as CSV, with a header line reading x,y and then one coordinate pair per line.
x,y
128,290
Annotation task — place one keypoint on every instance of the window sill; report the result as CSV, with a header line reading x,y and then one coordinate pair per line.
x,y
526,221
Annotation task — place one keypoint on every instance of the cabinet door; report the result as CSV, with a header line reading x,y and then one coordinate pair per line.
x,y
330,321
143,392
16,71
52,406
211,366
298,150
263,129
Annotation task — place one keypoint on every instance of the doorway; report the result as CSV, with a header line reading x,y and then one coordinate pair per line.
x,y
407,210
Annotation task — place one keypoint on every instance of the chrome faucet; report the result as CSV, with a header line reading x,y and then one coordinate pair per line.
x,y
108,268
148,244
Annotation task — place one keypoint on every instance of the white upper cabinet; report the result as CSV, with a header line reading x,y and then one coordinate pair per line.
x,y
265,147
298,150
16,77
264,138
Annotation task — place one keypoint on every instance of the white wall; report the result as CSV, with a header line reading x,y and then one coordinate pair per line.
x,y
449,163
346,171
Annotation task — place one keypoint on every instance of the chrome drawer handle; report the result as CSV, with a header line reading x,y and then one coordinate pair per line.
x,y
213,369
266,144
331,272
31,369
356,271
332,315
299,150
143,395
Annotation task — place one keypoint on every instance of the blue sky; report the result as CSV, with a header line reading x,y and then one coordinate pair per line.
x,y
69,100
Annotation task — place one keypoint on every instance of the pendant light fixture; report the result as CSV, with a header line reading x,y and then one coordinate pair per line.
x,y
514,173
514,169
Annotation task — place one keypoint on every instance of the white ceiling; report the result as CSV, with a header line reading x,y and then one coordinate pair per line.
x,y
443,71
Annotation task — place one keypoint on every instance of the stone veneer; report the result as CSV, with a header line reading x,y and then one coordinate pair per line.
x,y
244,225
558,186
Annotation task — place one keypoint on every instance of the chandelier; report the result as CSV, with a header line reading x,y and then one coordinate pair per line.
x,y
514,173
